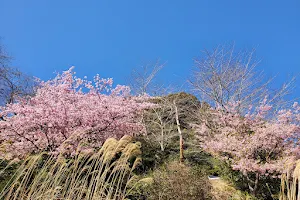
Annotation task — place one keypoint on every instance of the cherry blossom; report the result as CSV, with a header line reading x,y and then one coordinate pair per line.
x,y
255,142
67,111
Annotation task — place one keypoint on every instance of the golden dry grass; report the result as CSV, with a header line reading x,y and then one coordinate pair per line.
x,y
222,190
102,175
290,183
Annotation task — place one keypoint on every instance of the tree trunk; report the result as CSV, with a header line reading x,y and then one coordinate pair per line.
x,y
253,189
181,157
255,184
162,148
181,154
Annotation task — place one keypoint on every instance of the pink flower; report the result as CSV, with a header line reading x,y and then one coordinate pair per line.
x,y
68,110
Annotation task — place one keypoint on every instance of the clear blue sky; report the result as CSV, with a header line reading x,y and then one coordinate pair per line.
x,y
111,37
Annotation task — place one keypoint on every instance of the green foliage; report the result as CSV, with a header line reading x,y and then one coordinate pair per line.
x,y
152,156
189,105
200,159
7,169
268,189
188,102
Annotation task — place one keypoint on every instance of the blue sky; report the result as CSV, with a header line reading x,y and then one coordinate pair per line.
x,y
112,37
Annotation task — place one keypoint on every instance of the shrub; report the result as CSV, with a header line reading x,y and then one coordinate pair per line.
x,y
176,181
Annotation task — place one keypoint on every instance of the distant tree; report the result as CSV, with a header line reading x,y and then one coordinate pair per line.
x,y
68,111
142,79
159,122
222,76
171,114
13,82
162,118
4,58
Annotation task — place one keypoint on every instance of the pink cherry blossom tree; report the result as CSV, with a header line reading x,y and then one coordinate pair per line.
x,y
256,143
69,114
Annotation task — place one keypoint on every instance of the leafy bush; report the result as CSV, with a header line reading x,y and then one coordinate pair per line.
x,y
152,156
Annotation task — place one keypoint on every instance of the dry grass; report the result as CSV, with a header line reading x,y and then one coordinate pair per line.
x,y
222,190
176,181
101,175
290,184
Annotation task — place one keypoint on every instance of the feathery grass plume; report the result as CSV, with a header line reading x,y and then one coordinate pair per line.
x,y
104,174
290,183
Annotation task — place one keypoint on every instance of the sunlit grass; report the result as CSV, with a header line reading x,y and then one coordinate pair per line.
x,y
104,174
290,184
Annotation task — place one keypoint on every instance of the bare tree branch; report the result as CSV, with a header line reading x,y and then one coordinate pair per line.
x,y
13,83
142,80
223,76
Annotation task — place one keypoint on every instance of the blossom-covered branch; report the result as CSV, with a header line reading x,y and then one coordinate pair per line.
x,y
67,111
